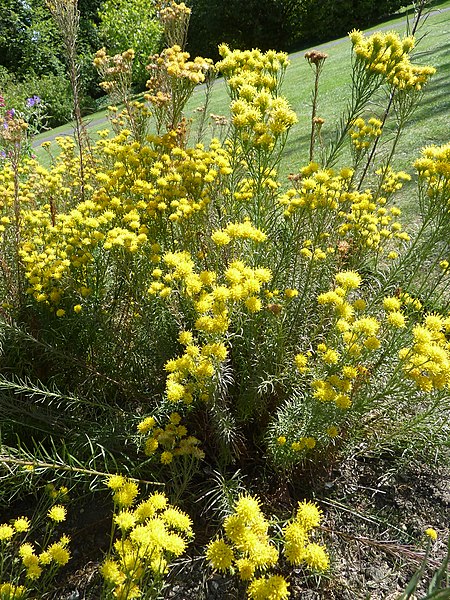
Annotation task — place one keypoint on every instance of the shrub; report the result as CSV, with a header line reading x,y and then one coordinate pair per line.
x,y
54,90
148,281
246,280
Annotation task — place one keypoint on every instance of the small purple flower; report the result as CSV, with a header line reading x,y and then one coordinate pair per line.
x,y
10,113
2,154
33,101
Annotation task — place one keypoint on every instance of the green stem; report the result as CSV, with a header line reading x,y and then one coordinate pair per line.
x,y
7,460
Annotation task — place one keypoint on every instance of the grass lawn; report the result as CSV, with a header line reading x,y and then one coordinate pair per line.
x,y
429,125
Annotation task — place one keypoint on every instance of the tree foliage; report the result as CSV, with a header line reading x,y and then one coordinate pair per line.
x,y
281,24
29,41
124,25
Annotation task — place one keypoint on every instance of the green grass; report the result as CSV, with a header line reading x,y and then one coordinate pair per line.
x,y
430,124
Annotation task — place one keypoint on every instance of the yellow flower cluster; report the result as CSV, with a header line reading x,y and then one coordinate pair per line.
x,y
173,440
38,186
357,215
258,113
173,79
339,369
246,188
304,443
363,134
316,252
212,301
134,116
244,230
392,180
358,335
263,71
368,223
274,587
261,119
171,181
150,535
9,591
125,204
387,55
190,375
427,360
317,189
298,547
394,317
433,168
177,66
247,545
55,554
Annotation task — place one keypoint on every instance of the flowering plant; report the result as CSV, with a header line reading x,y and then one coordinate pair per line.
x,y
249,550
19,125
28,567
169,280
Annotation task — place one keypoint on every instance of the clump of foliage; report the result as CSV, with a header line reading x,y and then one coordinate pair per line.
x,y
267,24
33,60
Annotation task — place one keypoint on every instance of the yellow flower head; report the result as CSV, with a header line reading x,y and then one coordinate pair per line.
x,y
6,532
125,520
348,279
246,568
8,591
111,572
146,425
26,550
21,524
308,515
57,513
220,555
332,431
115,482
316,557
396,319
177,519
248,508
431,533
166,457
274,587
126,495
59,554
